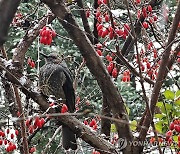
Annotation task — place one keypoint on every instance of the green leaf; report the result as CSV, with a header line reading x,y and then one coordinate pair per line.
x,y
159,126
175,138
169,95
177,102
133,125
168,106
113,128
177,93
160,116
159,104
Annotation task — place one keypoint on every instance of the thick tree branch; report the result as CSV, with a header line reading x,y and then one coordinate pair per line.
x,y
7,11
85,21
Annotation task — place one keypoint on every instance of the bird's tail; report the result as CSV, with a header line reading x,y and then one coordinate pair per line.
x,y
68,138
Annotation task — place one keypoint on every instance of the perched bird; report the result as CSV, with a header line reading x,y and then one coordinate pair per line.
x,y
55,79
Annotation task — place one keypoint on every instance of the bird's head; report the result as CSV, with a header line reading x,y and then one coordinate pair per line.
x,y
52,58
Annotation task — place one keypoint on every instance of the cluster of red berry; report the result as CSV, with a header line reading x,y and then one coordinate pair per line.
x,y
112,70
33,124
174,128
104,26
64,107
112,32
46,35
126,76
10,146
31,63
146,12
92,123
145,65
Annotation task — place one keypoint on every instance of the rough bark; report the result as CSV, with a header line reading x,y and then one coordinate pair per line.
x,y
7,11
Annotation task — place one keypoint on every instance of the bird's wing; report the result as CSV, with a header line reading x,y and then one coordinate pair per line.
x,y
56,80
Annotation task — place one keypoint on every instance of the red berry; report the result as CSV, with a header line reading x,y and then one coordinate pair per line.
x,y
120,32
85,122
145,25
2,134
42,121
148,65
64,108
1,142
32,64
155,18
12,136
111,35
98,13
92,123
106,17
99,52
177,128
29,61
104,33
144,12
105,1
16,132
7,131
8,149
28,122
99,19
110,29
49,40
114,73
169,133
171,126
149,8
33,149
87,13
99,45
124,79
137,1
95,126
51,104
100,32
170,141
5,142
36,120
31,129
53,33
99,2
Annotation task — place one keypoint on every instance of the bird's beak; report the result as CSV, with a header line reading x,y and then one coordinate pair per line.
x,y
45,56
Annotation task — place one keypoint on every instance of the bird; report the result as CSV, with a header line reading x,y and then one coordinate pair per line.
x,y
55,79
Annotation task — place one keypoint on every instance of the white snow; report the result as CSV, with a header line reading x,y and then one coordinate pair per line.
x,y
23,80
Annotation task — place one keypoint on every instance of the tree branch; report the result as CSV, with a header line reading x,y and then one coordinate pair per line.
x,y
7,11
